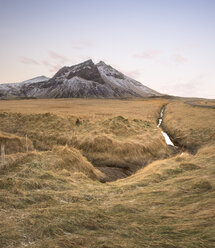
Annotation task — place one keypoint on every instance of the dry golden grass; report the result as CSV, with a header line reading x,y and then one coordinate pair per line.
x,y
191,127
170,203
117,144
87,108
14,143
52,197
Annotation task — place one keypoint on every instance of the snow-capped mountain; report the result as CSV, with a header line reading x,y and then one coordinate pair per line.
x,y
14,90
83,80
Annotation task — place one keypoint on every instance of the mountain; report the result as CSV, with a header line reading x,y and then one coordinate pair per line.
x,y
21,89
83,80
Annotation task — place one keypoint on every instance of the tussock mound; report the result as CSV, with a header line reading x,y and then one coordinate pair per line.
x,y
47,170
45,130
61,159
73,161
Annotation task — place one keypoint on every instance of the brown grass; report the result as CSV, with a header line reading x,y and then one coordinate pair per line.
x,y
87,108
170,203
111,142
52,197
14,144
191,127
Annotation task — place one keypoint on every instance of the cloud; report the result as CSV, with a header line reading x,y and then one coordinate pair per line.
x,y
28,61
195,87
151,54
55,61
81,44
179,58
52,67
189,46
59,57
55,68
46,63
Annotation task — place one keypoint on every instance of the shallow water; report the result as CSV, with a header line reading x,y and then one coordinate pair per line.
x,y
165,135
167,138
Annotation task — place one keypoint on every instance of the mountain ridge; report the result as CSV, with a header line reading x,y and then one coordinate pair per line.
x,y
86,79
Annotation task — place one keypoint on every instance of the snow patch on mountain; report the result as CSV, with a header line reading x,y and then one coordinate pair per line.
x,y
11,90
116,78
35,80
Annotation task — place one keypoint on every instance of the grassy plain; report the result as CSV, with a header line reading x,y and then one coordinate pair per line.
x,y
54,195
87,108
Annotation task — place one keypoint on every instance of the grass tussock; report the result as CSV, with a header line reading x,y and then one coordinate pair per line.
x,y
61,159
73,161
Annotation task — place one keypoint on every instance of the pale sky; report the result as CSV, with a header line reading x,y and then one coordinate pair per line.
x,y
168,45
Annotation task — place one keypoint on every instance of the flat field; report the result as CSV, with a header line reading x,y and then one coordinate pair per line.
x,y
99,108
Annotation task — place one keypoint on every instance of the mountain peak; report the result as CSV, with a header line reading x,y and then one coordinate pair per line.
x,y
78,67
86,70
101,63
85,79
89,61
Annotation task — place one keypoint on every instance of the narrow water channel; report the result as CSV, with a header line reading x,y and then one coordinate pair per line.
x,y
165,135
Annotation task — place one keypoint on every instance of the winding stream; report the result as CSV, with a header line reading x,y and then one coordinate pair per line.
x,y
165,135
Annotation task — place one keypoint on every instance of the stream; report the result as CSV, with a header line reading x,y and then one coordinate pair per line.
x,y
165,135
